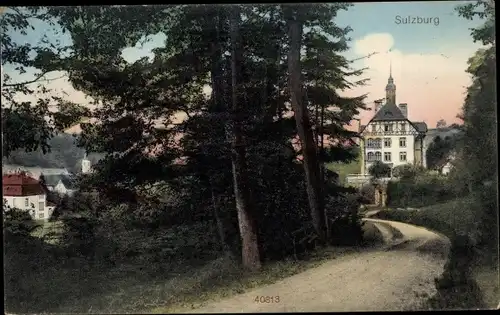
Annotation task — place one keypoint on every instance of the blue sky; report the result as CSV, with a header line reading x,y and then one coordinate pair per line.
x,y
367,18
416,50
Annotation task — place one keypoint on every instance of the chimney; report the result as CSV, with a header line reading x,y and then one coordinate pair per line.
x,y
403,107
378,104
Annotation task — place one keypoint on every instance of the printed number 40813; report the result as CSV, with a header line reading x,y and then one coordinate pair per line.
x,y
267,299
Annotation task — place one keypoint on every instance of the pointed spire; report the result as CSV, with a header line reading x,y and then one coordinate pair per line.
x,y
390,68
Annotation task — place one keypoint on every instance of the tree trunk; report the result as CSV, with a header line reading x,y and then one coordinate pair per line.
x,y
308,143
217,106
218,221
248,230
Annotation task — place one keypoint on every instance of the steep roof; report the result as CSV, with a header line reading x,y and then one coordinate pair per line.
x,y
68,181
388,112
16,185
52,180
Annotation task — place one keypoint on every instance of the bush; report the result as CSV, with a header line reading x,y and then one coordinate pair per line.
x,y
456,287
346,227
379,170
18,223
421,191
367,193
406,171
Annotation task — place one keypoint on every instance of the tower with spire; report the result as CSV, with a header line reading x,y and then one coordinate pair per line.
x,y
86,166
390,89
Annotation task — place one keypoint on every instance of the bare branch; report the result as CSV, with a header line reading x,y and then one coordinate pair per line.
x,y
27,82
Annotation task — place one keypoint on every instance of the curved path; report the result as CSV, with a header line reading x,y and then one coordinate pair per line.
x,y
397,276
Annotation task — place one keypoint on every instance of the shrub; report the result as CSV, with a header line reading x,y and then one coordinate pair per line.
x,y
423,190
346,227
18,223
367,193
379,170
456,287
406,171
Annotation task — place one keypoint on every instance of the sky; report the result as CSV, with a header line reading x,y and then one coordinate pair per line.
x,y
428,58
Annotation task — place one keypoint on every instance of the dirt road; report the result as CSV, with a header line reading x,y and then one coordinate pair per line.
x,y
399,276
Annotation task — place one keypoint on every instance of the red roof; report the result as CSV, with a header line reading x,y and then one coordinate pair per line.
x,y
21,185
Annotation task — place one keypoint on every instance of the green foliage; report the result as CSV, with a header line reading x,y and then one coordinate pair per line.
x,y
379,169
483,9
439,150
17,223
346,227
421,191
479,149
405,172
367,192
152,210
28,118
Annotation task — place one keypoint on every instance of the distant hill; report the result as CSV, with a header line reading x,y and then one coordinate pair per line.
x,y
64,154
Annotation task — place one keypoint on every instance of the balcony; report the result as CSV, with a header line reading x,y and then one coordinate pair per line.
x,y
358,180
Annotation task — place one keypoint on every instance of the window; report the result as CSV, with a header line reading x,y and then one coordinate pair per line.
x,y
387,156
369,143
378,156
403,127
402,142
370,156
41,216
26,202
402,156
387,142
378,143
374,128
386,127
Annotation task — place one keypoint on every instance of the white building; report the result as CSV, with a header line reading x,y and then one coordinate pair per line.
x,y
26,193
390,136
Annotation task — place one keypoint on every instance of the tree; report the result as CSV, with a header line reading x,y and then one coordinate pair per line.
x,y
379,169
441,123
308,145
137,96
29,112
242,191
439,150
479,147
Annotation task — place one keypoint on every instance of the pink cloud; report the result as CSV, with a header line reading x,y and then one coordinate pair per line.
x,y
433,85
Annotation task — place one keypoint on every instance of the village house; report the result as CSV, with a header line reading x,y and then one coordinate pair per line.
x,y
63,184
26,193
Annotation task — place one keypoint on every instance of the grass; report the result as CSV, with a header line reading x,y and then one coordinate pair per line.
x,y
372,235
158,287
344,169
458,217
